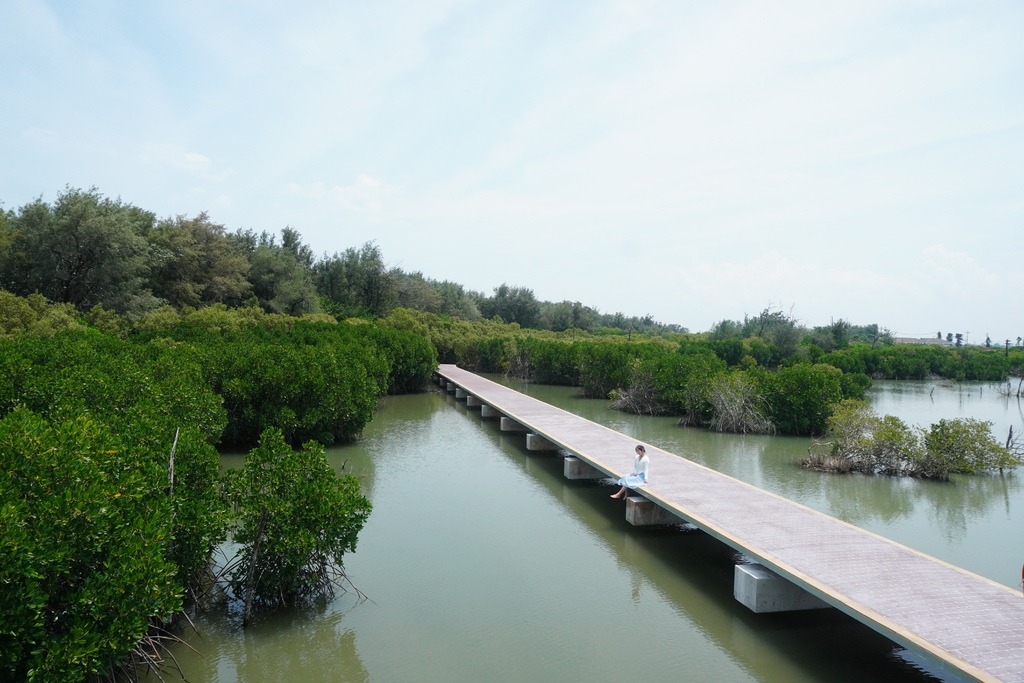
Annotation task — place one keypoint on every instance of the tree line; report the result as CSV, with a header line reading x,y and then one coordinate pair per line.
x,y
112,261
88,250
747,385
686,376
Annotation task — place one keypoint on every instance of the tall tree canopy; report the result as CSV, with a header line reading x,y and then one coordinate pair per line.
x,y
196,263
280,273
356,282
513,305
84,249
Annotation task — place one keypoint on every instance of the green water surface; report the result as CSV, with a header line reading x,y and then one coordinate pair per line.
x,y
482,563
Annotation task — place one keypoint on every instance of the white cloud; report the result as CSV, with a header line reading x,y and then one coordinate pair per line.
x,y
956,273
366,195
177,158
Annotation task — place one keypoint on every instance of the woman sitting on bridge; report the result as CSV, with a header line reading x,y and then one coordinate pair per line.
x,y
638,477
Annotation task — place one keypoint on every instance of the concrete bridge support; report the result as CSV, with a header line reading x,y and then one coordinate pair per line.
x,y
451,387
762,590
473,402
460,392
578,469
642,512
510,425
489,411
536,442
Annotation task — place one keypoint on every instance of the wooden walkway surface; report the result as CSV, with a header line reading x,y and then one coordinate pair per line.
x,y
970,625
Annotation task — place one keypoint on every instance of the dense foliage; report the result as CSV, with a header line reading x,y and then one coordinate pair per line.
x,y
310,377
84,551
747,385
858,440
921,362
801,397
718,383
109,478
297,521
103,532
86,249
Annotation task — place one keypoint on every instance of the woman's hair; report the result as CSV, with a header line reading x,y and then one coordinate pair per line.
x,y
640,448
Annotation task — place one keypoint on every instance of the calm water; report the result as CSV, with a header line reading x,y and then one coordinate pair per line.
x,y
482,563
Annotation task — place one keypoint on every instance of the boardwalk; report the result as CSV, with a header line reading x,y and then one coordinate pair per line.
x,y
968,624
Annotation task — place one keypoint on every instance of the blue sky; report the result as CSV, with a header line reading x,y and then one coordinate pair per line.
x,y
689,160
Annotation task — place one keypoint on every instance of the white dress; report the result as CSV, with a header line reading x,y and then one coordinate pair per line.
x,y
638,477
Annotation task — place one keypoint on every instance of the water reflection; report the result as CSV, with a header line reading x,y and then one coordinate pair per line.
x,y
969,498
319,646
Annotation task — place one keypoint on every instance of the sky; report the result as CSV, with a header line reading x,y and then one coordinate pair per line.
x,y
689,160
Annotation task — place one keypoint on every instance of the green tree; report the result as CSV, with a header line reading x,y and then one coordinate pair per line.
x,y
774,327
858,440
82,548
513,305
279,275
966,445
356,282
411,358
550,361
726,329
834,336
6,235
894,449
455,300
297,520
291,242
667,383
731,351
196,263
557,317
567,315
412,290
85,249
320,385
801,397
35,315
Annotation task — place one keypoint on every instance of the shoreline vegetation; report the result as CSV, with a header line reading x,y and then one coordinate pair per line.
x,y
113,501
132,348
859,440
